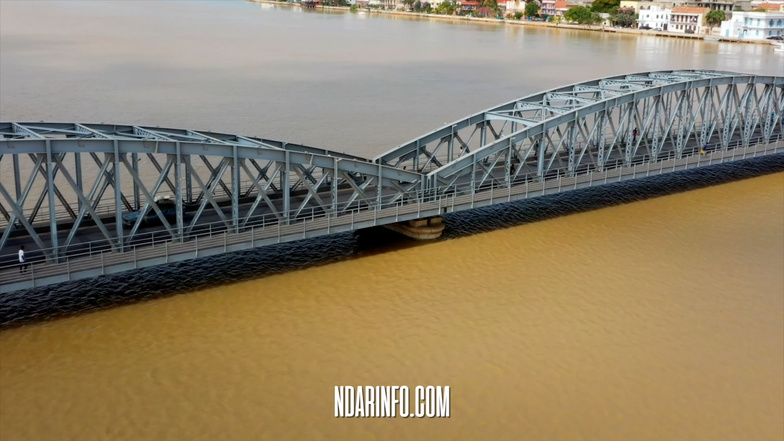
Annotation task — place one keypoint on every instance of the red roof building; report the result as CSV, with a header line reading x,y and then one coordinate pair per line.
x,y
561,7
688,19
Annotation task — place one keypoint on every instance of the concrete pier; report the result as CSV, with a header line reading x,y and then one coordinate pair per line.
x,y
420,229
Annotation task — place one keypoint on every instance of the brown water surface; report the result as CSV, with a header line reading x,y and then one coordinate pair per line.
x,y
659,319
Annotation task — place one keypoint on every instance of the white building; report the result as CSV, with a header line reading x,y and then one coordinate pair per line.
x,y
513,6
754,25
654,17
548,7
688,20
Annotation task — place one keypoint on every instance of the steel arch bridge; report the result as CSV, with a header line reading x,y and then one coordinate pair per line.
x,y
588,124
77,191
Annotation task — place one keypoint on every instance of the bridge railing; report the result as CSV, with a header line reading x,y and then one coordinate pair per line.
x,y
108,209
612,164
205,232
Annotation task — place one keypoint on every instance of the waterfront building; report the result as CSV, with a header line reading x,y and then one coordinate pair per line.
x,y
561,6
654,17
640,5
513,6
769,6
688,20
468,6
573,3
754,25
380,4
548,7
720,5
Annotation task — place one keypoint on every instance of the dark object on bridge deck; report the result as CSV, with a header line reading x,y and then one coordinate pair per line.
x,y
167,207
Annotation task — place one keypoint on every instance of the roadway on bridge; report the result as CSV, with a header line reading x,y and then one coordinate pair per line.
x,y
156,235
90,237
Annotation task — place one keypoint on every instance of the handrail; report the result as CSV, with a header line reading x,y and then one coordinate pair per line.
x,y
42,217
266,220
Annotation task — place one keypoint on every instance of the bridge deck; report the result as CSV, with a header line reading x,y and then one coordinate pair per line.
x,y
96,261
90,239
65,186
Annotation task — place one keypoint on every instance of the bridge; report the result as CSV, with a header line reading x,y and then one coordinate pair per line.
x,y
93,199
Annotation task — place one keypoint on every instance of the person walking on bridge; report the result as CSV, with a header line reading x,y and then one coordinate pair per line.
x,y
22,265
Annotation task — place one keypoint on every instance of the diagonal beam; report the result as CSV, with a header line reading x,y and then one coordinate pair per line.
x,y
149,198
208,196
87,205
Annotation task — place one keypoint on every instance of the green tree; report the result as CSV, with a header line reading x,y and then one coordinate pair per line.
x,y
420,6
446,8
625,17
715,18
518,15
579,14
491,5
531,9
605,5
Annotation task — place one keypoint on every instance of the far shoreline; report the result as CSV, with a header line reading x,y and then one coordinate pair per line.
x,y
496,21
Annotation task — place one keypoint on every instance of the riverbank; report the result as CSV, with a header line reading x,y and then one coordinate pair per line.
x,y
496,21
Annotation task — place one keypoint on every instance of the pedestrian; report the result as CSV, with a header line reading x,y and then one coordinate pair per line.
x,y
22,265
634,135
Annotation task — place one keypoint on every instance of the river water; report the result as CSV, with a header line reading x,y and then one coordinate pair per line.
x,y
658,319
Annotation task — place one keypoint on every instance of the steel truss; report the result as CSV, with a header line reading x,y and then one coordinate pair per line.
x,y
68,175
583,126
63,184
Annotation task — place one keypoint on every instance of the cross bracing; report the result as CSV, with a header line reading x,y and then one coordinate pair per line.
x,y
584,125
67,188
63,177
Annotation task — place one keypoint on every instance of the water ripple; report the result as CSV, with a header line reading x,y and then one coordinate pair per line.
x,y
45,303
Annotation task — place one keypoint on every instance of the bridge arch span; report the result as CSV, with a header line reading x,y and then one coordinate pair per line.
x,y
60,177
91,199
583,126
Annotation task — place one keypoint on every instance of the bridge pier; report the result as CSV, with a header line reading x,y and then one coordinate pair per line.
x,y
420,229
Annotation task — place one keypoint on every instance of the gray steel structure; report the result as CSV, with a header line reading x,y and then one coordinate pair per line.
x,y
583,126
64,186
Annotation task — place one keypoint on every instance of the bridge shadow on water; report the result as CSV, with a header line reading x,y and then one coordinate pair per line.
x,y
45,303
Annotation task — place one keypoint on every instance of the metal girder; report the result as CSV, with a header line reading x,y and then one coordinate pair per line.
x,y
570,97
540,108
242,181
500,116
638,114
290,180
623,84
